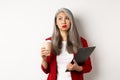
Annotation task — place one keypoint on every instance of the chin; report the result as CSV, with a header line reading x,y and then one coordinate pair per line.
x,y
65,29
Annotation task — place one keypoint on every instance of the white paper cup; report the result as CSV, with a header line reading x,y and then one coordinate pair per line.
x,y
47,46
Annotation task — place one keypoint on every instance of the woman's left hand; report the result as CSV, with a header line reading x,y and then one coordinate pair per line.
x,y
75,66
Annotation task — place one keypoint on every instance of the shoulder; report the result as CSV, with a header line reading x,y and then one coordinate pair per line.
x,y
84,42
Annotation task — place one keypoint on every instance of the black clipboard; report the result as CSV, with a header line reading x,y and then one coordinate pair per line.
x,y
82,55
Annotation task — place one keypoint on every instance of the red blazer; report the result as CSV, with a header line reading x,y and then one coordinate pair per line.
x,y
52,66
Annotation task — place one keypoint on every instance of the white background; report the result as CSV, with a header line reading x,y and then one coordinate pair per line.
x,y
24,24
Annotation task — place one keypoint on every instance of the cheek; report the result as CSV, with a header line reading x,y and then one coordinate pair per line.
x,y
69,24
58,24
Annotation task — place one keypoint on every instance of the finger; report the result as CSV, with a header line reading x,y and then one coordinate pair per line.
x,y
45,53
74,61
42,55
42,48
69,66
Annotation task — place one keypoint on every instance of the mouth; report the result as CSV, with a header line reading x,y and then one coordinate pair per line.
x,y
64,26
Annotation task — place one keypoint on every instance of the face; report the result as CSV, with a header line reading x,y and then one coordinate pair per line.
x,y
63,22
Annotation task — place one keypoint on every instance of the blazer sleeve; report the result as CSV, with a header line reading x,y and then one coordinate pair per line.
x,y
47,60
48,68
87,67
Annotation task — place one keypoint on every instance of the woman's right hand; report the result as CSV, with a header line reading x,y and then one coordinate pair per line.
x,y
44,53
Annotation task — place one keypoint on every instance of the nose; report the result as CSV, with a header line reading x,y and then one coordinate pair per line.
x,y
64,21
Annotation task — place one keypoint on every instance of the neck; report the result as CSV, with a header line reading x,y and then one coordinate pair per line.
x,y
64,35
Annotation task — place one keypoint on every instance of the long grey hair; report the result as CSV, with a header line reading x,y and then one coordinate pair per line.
x,y
73,38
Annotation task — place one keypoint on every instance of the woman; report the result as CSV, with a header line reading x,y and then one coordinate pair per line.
x,y
65,42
